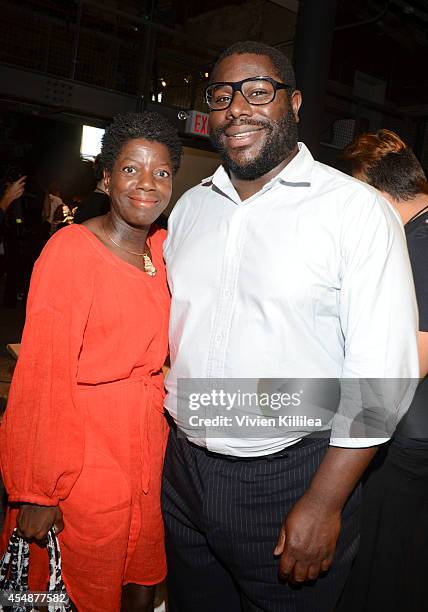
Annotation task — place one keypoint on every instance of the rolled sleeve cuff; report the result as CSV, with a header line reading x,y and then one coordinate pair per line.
x,y
39,500
357,442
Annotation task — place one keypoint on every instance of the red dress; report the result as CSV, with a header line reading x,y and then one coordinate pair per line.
x,y
84,426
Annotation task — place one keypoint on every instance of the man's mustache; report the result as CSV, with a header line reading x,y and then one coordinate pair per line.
x,y
241,122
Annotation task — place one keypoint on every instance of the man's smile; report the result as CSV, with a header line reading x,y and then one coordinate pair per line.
x,y
242,130
238,136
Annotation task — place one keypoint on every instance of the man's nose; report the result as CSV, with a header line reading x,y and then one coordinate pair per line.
x,y
239,106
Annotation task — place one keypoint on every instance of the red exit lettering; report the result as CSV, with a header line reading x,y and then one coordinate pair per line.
x,y
201,124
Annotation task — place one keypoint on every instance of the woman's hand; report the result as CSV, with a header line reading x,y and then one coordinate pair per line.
x,y
34,522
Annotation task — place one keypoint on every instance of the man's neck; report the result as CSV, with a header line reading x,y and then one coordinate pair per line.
x,y
246,189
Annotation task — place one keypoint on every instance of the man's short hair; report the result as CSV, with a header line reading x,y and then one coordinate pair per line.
x,y
280,61
384,161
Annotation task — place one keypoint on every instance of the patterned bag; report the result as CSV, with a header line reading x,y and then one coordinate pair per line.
x,y
14,577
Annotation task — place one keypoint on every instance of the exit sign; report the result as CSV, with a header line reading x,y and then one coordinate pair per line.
x,y
197,124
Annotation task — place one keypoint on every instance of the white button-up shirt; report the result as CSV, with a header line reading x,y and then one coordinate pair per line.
x,y
308,278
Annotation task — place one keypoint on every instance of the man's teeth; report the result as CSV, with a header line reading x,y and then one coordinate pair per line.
x,y
243,134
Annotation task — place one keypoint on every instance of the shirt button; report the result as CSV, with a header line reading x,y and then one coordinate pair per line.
x,y
218,338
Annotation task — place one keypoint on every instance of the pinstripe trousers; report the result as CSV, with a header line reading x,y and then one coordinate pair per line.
x,y
222,519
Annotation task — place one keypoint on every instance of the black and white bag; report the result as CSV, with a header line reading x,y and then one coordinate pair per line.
x,y
14,593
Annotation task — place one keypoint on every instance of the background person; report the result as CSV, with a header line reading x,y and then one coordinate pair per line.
x,y
54,208
390,569
12,219
24,234
84,433
96,203
13,191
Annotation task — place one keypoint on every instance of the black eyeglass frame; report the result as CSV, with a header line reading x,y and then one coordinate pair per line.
x,y
237,86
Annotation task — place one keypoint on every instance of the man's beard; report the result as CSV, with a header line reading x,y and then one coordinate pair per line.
x,y
281,140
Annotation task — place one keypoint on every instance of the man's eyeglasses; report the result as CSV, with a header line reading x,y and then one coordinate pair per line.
x,y
256,90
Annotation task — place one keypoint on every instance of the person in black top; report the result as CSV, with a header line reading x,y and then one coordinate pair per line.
x,y
389,573
96,203
23,231
12,191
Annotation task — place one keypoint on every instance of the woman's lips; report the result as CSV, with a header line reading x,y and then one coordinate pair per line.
x,y
143,202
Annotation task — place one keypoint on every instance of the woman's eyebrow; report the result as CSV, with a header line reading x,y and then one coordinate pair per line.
x,y
131,159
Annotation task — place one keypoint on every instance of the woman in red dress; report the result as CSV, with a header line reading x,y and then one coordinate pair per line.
x,y
83,437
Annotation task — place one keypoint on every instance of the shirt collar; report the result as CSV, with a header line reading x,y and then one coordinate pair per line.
x,y
297,173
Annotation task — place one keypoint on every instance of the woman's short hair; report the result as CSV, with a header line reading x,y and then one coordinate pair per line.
x,y
386,162
150,126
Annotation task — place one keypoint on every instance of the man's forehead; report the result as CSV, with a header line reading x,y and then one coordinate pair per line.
x,y
243,66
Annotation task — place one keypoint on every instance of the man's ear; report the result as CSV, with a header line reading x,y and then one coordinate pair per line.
x,y
296,102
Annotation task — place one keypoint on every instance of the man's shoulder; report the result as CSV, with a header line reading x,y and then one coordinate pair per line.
x,y
339,180
348,192
201,188
192,197
197,190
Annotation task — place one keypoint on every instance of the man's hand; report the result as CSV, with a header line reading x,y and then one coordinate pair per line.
x,y
35,521
13,192
307,540
308,536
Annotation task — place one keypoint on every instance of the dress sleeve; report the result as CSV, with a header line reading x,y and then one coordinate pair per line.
x,y
42,435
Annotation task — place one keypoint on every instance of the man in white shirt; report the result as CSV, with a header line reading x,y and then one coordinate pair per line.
x,y
285,275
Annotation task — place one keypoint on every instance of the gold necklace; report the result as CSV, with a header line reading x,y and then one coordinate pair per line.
x,y
148,266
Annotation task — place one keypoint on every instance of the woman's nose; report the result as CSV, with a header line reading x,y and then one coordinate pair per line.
x,y
146,181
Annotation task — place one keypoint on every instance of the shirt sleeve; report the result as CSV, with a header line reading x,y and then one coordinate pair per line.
x,y
42,436
379,322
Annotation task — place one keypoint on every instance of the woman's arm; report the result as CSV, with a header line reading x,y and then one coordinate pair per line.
x,y
42,435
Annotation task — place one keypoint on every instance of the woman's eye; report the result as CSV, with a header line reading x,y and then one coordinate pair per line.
x,y
163,173
129,169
